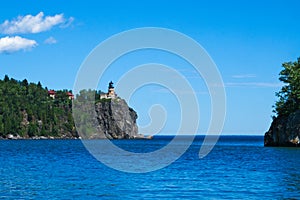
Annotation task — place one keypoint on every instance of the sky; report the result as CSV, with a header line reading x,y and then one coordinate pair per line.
x,y
48,41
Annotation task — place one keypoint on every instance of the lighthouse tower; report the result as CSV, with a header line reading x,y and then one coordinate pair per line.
x,y
110,93
111,90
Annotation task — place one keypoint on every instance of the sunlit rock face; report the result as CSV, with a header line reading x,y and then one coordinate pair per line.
x,y
116,120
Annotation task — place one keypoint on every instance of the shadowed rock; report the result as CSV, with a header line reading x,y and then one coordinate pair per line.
x,y
284,131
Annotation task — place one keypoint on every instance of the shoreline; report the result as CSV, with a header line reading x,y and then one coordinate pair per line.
x,y
139,137
12,137
39,138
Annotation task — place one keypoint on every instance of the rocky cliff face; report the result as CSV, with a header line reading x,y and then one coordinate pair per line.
x,y
284,131
115,120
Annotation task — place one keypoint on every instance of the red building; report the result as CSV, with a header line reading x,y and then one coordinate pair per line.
x,y
52,94
70,95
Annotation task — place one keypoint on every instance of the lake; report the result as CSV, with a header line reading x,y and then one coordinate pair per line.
x,y
238,167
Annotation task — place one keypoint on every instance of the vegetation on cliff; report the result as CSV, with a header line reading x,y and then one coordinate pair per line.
x,y
289,95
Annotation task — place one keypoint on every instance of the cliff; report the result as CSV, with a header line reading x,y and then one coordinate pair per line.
x,y
284,131
116,120
113,119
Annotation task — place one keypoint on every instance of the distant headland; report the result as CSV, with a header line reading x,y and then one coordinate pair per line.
x,y
31,111
285,128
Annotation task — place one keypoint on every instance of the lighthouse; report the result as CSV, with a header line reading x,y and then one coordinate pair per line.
x,y
110,93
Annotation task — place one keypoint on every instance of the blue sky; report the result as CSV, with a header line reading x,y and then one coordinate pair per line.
x,y
247,41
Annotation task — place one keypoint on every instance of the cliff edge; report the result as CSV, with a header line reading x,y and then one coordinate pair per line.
x,y
284,131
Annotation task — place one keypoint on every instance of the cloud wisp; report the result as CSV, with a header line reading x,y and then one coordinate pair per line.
x,y
15,43
34,24
50,40
255,85
240,76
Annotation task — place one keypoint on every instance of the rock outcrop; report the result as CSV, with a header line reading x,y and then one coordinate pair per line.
x,y
284,131
109,118
116,120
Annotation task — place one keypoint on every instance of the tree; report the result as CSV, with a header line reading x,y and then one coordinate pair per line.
x,y
6,78
39,84
24,83
289,95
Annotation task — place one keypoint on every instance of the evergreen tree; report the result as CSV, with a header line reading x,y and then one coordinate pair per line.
x,y
289,95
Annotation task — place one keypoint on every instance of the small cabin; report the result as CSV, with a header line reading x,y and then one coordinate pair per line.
x,y
51,94
70,95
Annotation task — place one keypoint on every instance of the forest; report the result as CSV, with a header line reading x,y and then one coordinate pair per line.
x,y
27,111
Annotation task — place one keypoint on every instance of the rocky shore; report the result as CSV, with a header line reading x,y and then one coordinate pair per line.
x,y
18,137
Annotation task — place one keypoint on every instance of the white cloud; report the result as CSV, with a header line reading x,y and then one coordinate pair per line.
x,y
16,43
50,40
33,24
244,76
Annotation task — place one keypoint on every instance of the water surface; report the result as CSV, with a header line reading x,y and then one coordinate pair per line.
x,y
238,167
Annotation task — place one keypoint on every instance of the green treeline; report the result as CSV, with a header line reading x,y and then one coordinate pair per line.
x,y
289,95
27,110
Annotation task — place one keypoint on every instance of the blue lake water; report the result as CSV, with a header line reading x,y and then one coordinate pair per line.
x,y
237,168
